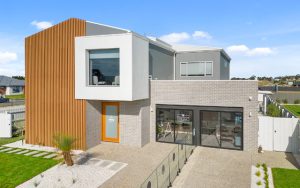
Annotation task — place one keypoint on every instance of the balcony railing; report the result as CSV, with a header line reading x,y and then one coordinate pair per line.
x,y
166,172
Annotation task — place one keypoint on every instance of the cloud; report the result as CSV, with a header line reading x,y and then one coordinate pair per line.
x,y
6,57
11,55
244,50
201,34
175,37
41,25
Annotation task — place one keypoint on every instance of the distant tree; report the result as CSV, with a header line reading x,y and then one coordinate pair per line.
x,y
253,77
19,77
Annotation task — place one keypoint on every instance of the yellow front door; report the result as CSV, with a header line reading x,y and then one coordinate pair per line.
x,y
110,122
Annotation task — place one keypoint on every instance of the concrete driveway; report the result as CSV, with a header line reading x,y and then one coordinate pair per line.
x,y
212,168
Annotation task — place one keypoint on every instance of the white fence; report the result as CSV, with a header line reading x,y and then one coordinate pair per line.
x,y
10,116
279,134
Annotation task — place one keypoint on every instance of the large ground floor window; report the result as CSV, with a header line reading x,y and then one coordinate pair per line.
x,y
174,126
206,126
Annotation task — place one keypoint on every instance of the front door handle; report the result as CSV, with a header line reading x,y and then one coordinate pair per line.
x,y
194,131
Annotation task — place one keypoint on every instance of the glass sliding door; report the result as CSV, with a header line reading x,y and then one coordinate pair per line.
x,y
174,126
210,128
165,125
231,130
184,126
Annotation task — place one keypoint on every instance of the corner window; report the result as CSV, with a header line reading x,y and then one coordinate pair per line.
x,y
104,67
203,68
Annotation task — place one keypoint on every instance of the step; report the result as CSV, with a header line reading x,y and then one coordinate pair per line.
x,y
40,154
14,151
50,156
22,152
7,149
31,153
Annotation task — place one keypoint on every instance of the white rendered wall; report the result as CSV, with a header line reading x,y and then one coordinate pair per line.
x,y
134,63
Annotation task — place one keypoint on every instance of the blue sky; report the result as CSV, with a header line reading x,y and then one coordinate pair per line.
x,y
262,37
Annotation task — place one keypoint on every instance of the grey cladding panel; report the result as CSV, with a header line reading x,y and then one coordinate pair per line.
x,y
160,63
95,29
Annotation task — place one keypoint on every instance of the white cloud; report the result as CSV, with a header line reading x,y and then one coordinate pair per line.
x,y
244,50
41,25
6,57
201,34
175,37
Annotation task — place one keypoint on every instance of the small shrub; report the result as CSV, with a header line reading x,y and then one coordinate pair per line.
x,y
257,173
285,101
259,183
257,165
297,101
273,110
278,100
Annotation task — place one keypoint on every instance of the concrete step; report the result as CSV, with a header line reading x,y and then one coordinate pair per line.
x,y
22,152
40,154
14,151
6,149
50,156
31,153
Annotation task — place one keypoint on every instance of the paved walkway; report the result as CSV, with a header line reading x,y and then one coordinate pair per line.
x,y
212,168
26,152
141,161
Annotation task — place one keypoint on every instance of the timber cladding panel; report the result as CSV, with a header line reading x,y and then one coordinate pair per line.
x,y
51,107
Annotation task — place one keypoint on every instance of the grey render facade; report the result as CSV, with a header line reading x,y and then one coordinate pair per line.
x,y
169,89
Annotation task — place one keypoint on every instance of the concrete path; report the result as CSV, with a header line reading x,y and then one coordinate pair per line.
x,y
141,162
210,167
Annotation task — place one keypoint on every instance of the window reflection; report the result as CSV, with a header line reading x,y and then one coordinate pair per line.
x,y
174,126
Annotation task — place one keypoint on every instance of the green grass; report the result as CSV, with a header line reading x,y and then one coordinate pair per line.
x,y
21,96
286,178
16,169
295,109
4,141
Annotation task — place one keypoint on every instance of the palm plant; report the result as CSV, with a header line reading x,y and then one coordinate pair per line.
x,y
65,144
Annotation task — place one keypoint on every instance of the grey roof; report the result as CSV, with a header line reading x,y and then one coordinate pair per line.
x,y
8,81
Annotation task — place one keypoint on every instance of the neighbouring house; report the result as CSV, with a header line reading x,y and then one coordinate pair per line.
x,y
11,86
106,84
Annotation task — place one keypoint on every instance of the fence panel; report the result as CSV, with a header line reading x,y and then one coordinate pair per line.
x,y
279,134
5,125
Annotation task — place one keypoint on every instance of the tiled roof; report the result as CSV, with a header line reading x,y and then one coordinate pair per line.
x,y
8,81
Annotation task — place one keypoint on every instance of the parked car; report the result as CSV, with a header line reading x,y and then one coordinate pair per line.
x,y
3,100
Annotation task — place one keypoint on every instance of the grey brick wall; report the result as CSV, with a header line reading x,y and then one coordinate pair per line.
x,y
93,123
135,123
210,93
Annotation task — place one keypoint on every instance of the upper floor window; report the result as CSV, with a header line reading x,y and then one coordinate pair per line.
x,y
104,67
201,68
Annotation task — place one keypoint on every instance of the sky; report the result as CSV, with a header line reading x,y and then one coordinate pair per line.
x,y
262,37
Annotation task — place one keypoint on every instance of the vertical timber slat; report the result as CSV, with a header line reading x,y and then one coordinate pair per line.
x,y
51,107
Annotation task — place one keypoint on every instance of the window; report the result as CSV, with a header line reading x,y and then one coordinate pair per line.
x,y
174,126
104,67
203,68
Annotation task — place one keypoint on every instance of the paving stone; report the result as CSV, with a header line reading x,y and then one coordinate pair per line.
x,y
116,166
105,164
7,149
14,151
24,151
50,156
40,154
31,153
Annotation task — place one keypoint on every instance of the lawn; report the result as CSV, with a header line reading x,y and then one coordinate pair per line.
x,y
4,141
295,109
16,169
21,96
286,178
